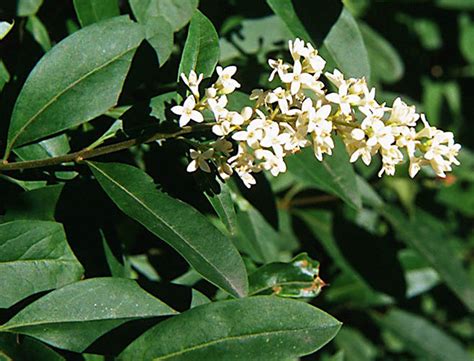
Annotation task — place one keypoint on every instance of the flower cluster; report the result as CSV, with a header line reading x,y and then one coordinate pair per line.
x,y
303,112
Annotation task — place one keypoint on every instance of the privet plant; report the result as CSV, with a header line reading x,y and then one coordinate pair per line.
x,y
159,206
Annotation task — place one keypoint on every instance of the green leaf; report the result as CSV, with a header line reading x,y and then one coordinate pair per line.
x,y
51,147
298,278
118,268
11,348
93,11
455,4
198,299
256,236
37,204
76,315
34,257
355,345
334,174
466,38
5,28
201,50
255,39
176,12
422,338
28,7
224,206
208,251
419,275
285,10
74,83
159,34
346,46
385,63
39,32
160,103
244,329
4,74
428,236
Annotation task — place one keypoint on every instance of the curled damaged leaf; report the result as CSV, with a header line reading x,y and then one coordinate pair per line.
x,y
298,278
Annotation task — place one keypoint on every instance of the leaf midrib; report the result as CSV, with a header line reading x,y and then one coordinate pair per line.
x,y
148,209
240,337
62,92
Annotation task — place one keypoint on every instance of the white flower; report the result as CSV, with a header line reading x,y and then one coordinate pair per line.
x,y
193,82
278,67
187,112
316,62
319,117
343,98
297,138
274,139
390,158
337,78
282,97
271,162
199,160
362,151
297,49
403,114
218,106
297,78
253,134
225,82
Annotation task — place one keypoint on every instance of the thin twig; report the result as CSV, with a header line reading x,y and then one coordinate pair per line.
x,y
83,154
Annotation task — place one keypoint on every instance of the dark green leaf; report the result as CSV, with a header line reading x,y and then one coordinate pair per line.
x,y
74,316
385,63
34,257
51,147
208,251
298,278
346,46
285,10
4,74
224,206
159,34
334,174
176,12
160,103
74,83
244,329
201,50
93,11
37,204
422,338
429,238
11,348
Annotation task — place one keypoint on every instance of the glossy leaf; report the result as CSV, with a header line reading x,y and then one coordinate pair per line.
x,y
74,83
429,238
422,338
51,147
298,278
285,10
385,63
355,345
93,11
176,12
34,257
209,251
334,174
346,46
201,50
74,316
244,329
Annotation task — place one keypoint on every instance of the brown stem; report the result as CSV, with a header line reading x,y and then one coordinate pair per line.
x,y
81,155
